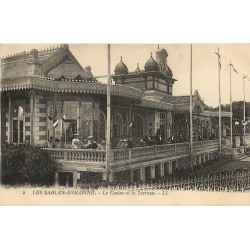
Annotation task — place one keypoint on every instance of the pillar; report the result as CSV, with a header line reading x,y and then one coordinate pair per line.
x,y
10,121
152,172
176,163
104,176
74,178
111,176
56,179
67,179
161,169
195,160
142,174
32,118
170,168
204,157
199,159
132,176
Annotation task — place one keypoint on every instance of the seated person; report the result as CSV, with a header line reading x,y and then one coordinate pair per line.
x,y
159,138
101,144
181,138
123,143
172,139
91,144
75,141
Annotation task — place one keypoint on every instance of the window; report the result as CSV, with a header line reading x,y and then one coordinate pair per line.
x,y
117,124
17,129
102,126
138,126
71,129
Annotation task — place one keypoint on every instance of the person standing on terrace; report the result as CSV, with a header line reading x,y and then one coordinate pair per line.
x,y
75,141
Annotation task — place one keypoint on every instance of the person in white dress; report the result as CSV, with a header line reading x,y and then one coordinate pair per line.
x,y
75,141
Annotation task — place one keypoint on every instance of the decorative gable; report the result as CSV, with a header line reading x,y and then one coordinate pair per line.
x,y
69,69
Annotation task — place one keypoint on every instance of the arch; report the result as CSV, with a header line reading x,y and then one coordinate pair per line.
x,y
117,125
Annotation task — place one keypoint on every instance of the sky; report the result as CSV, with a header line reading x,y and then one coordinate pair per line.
x,y
204,64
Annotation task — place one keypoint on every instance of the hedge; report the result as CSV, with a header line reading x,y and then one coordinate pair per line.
x,y
25,164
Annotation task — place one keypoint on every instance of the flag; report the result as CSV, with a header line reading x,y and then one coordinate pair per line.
x,y
219,58
244,76
234,69
64,118
50,117
55,124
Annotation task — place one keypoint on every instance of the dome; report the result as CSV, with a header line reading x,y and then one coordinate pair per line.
x,y
121,68
151,65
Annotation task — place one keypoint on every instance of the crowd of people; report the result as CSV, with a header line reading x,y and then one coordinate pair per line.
x,y
129,142
90,143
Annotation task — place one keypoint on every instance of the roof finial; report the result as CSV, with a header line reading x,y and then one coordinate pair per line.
x,y
151,54
138,65
158,46
121,58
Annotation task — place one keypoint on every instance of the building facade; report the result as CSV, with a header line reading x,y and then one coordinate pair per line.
x,y
48,97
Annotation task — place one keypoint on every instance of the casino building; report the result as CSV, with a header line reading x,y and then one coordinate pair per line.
x,y
47,97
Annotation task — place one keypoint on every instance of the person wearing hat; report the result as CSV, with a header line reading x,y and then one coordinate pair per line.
x,y
75,141
91,143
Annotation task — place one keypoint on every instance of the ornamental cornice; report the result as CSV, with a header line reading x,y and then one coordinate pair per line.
x,y
50,85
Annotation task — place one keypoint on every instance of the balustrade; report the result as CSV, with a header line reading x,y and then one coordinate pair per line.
x,y
120,155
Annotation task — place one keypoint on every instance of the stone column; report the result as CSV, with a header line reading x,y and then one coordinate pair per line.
x,y
67,179
161,169
56,179
131,176
170,167
204,157
177,163
199,159
152,172
104,176
32,118
142,173
74,178
111,176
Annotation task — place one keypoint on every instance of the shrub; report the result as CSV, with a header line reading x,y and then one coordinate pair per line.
x,y
22,164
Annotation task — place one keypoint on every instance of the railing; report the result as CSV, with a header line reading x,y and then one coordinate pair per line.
x,y
132,154
83,155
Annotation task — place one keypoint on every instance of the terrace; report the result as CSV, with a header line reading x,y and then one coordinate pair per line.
x,y
132,158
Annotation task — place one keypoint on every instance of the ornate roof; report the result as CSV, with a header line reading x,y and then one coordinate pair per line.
x,y
121,68
151,65
69,86
51,62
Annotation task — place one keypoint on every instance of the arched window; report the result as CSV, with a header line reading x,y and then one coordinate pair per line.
x,y
138,126
102,126
117,125
17,128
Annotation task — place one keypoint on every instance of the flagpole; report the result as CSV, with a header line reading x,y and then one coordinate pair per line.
x,y
231,109
219,103
244,112
108,120
191,110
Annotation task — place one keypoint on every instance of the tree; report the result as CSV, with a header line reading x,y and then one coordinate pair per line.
x,y
26,164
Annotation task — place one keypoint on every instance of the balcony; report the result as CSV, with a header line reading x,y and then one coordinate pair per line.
x,y
121,159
